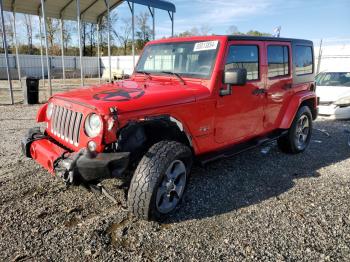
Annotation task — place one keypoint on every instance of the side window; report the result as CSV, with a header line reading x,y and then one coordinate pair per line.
x,y
244,56
303,60
278,60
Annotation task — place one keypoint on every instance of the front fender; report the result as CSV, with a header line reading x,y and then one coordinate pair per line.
x,y
294,105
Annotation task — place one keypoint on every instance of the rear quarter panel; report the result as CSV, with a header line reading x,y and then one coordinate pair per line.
x,y
293,106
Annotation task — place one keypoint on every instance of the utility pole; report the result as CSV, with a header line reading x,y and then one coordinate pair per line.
x,y
319,58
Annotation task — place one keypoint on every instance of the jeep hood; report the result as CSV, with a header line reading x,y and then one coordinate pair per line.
x,y
130,95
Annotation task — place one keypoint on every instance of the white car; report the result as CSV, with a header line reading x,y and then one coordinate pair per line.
x,y
333,89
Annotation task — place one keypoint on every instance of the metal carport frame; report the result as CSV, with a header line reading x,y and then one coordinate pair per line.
x,y
91,11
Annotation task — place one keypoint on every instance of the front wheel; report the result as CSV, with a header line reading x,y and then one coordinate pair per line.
x,y
160,179
299,134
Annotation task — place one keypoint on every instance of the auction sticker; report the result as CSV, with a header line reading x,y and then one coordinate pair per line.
x,y
208,45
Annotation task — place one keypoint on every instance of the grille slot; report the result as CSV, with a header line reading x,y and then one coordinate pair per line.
x,y
66,124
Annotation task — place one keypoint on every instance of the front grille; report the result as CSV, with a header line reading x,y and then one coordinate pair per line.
x,y
65,124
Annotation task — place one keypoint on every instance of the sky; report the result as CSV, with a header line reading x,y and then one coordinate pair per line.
x,y
310,19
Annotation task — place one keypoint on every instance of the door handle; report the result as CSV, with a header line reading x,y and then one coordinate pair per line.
x,y
259,91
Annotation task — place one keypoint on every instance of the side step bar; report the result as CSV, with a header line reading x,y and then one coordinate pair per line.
x,y
239,148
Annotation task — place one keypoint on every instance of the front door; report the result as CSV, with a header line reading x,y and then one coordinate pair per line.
x,y
239,115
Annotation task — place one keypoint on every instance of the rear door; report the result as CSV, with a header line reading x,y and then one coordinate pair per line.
x,y
239,116
279,82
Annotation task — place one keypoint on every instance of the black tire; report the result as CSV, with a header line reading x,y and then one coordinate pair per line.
x,y
289,143
149,177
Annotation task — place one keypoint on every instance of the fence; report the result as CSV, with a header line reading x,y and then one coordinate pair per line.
x,y
30,65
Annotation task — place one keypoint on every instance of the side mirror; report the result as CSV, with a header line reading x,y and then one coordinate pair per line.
x,y
233,76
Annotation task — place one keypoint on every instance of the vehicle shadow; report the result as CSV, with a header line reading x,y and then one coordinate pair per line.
x,y
252,177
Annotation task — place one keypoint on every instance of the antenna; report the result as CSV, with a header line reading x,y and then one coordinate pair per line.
x,y
277,31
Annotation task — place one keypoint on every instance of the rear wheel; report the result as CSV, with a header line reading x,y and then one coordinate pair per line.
x,y
159,181
299,134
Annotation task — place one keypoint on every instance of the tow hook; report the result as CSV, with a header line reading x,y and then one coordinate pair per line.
x,y
65,166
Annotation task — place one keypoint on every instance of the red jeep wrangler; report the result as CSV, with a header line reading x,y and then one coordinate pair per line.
x,y
189,98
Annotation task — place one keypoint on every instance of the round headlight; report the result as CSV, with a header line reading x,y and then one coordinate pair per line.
x,y
49,110
93,125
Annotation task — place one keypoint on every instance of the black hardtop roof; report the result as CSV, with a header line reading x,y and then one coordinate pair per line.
x,y
267,38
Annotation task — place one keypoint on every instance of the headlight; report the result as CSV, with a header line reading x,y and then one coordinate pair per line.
x,y
49,110
345,101
93,125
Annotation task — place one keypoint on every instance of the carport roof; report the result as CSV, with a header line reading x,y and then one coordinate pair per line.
x,y
91,10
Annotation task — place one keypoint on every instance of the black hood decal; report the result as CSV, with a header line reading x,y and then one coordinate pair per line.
x,y
120,94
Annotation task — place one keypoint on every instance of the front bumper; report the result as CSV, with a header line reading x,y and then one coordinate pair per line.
x,y
334,112
73,167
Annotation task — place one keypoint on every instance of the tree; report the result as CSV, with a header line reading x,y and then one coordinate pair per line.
x,y
88,35
184,34
257,33
9,33
233,30
203,30
143,31
83,36
29,29
92,38
52,30
67,35
123,35
104,30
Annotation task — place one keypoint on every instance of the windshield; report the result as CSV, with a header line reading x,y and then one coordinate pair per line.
x,y
333,79
188,59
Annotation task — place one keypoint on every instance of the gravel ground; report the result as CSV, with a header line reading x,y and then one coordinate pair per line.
x,y
255,206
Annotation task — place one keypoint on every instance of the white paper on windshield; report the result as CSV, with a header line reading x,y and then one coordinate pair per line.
x,y
208,45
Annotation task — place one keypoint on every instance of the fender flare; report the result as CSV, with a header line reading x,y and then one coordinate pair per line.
x,y
41,115
294,105
171,120
185,130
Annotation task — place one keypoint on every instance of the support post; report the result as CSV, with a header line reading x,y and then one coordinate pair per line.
x,y
109,41
79,42
154,23
171,15
319,58
132,9
16,48
98,52
41,51
172,24
46,47
6,53
62,53
152,12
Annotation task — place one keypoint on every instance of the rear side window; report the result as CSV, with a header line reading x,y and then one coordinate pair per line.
x,y
244,56
278,60
303,60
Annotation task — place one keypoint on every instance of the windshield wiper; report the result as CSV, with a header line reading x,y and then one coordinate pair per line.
x,y
175,74
145,73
